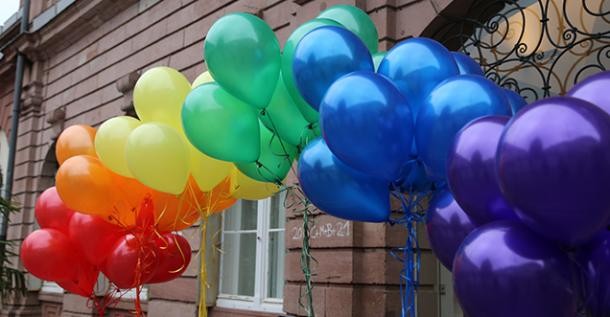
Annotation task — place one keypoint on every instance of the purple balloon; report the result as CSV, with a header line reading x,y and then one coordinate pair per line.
x,y
471,170
447,225
553,165
596,266
504,270
594,89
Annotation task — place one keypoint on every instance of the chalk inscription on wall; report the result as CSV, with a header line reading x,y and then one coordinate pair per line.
x,y
325,230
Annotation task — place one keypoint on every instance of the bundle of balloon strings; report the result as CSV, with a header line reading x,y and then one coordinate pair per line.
x,y
411,213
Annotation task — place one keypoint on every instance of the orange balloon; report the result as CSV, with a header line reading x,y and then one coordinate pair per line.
x,y
179,212
82,183
86,185
220,199
128,196
75,140
174,212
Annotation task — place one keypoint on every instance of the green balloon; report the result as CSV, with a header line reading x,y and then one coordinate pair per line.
x,y
274,161
308,111
220,125
283,117
356,21
243,56
377,58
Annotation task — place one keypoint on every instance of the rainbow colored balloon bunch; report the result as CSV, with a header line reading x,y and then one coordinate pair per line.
x,y
193,151
95,221
123,190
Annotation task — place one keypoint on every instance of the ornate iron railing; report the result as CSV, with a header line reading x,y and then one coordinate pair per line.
x,y
536,47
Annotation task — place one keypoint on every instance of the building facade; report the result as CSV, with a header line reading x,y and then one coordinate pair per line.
x,y
83,58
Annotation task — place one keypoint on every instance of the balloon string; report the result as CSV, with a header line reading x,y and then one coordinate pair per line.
x,y
182,254
203,309
306,256
410,254
138,303
99,307
205,213
306,263
285,153
161,214
181,217
111,297
138,276
302,206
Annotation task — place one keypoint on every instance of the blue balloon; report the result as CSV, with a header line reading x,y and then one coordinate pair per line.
x,y
466,64
515,100
340,190
367,124
416,66
415,179
450,106
322,56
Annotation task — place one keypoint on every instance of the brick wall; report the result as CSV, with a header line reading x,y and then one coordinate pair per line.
x,y
80,71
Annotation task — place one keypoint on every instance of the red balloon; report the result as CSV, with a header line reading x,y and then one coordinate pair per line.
x,y
174,254
132,261
48,254
85,280
93,236
51,212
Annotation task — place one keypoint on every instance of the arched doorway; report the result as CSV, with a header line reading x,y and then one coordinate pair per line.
x,y
539,48
46,180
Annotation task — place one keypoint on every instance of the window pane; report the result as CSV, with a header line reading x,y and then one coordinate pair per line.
x,y
275,278
242,216
277,219
238,263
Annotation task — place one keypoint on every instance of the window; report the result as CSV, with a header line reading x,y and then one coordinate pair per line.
x,y
252,260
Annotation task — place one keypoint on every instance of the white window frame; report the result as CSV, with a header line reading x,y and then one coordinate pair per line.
x,y
49,287
259,302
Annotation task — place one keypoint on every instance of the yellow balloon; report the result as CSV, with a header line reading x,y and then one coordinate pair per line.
x,y
110,142
203,78
158,157
244,187
159,94
207,172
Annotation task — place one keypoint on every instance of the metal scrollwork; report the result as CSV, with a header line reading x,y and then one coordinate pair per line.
x,y
538,48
